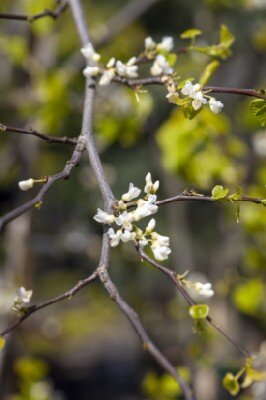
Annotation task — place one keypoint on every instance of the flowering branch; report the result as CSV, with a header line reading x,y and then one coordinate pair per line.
x,y
54,14
138,83
37,200
199,197
175,279
67,295
33,132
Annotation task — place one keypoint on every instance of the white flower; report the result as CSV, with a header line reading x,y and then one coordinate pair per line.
x,y
89,53
143,242
125,220
198,100
145,208
172,97
111,63
204,289
132,193
127,70
114,236
215,105
161,66
127,236
151,226
107,76
23,296
91,71
160,240
166,44
150,44
188,89
160,252
150,186
25,185
103,217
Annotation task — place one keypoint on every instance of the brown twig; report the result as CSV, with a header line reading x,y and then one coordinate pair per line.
x,y
66,295
174,278
33,132
196,197
54,14
134,83
10,216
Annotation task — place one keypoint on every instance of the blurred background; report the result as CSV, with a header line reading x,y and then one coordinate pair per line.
x,y
84,348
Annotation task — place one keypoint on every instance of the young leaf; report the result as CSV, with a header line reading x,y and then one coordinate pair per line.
x,y
2,342
218,192
237,195
231,384
199,311
190,34
258,108
208,72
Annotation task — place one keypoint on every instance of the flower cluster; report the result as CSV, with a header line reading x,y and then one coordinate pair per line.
x,y
126,220
203,289
22,300
199,98
158,51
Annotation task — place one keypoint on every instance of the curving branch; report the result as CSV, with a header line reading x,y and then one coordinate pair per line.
x,y
54,14
197,197
138,83
74,161
33,132
134,319
173,276
66,295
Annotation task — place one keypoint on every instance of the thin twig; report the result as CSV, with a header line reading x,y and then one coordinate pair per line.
x,y
66,295
134,83
33,132
196,197
173,276
54,14
37,200
134,319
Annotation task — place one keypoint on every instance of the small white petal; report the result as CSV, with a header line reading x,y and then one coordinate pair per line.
x,y
25,185
150,44
91,71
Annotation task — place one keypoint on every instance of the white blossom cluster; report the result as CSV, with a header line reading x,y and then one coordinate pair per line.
x,y
22,300
126,220
196,94
158,51
203,289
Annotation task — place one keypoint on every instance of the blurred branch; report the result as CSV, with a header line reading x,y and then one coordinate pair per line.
x,y
133,318
137,83
33,132
174,278
10,216
125,16
67,295
55,14
198,197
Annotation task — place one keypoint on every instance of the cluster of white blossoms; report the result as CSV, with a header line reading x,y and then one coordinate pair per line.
x,y
22,300
199,98
157,51
126,220
203,289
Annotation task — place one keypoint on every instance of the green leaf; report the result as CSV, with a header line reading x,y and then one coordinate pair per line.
x,y
199,311
258,108
231,384
208,72
237,195
171,58
221,50
218,192
190,33
2,342
263,202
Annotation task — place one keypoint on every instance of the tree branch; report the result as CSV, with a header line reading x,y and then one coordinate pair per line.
x,y
135,83
196,197
54,14
10,216
133,318
33,132
67,295
174,278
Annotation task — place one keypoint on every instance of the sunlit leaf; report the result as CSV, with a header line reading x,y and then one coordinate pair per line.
x,y
208,72
218,192
199,311
258,108
231,384
190,33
